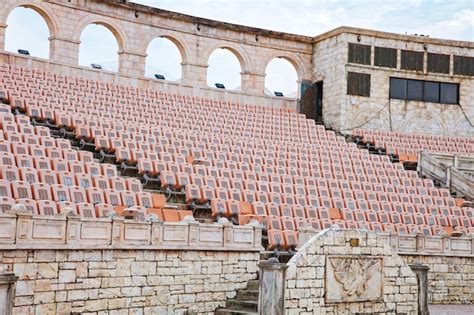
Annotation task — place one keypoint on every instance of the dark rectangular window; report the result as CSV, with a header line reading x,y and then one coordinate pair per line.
x,y
426,91
438,63
449,93
463,65
431,91
358,84
398,88
412,60
385,57
359,54
415,90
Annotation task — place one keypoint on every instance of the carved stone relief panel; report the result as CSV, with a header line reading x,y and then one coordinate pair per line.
x,y
353,279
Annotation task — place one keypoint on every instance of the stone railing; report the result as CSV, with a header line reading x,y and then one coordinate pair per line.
x,y
419,244
24,230
452,171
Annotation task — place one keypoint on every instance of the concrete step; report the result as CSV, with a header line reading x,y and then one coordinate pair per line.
x,y
244,305
250,295
253,285
226,311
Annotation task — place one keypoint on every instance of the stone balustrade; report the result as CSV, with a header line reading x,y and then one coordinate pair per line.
x,y
24,230
417,244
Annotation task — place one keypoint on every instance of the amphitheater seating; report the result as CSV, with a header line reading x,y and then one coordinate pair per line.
x,y
407,146
238,160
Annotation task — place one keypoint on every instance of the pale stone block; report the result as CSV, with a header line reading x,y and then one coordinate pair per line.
x,y
48,270
45,309
67,276
43,297
25,287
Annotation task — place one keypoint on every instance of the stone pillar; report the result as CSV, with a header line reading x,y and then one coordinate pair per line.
x,y
7,287
132,63
64,50
194,74
253,82
271,299
3,28
421,272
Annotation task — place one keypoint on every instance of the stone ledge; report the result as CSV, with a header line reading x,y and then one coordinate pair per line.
x,y
27,231
417,244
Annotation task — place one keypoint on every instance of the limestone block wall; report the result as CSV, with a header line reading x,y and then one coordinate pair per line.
x,y
124,281
344,112
450,278
348,272
450,259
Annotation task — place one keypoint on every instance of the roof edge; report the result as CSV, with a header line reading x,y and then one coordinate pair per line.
x,y
395,36
288,36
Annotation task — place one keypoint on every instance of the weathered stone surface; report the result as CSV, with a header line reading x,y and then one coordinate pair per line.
x,y
330,275
131,282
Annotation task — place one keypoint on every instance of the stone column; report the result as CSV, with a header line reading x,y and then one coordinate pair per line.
x,y
3,28
271,299
132,63
253,82
194,74
7,287
421,272
64,50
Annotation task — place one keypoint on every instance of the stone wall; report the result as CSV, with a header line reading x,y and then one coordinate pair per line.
x,y
344,112
450,259
450,278
126,281
347,272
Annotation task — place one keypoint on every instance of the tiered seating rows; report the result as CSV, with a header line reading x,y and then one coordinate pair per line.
x,y
407,146
256,162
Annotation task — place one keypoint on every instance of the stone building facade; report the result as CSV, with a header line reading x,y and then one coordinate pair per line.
x,y
344,112
321,58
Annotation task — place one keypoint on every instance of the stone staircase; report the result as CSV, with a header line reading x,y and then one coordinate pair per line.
x,y
246,301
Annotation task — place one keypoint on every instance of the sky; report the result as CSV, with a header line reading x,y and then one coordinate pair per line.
x,y
450,19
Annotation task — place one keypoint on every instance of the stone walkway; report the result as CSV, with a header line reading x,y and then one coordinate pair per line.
x,y
452,309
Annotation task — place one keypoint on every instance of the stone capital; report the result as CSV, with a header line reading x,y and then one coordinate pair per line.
x,y
64,39
133,53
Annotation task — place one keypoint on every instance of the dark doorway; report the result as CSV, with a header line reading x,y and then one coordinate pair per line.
x,y
312,100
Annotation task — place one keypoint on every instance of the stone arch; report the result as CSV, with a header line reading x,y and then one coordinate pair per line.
x,y
461,127
39,7
242,61
281,76
416,121
241,55
293,59
165,56
373,117
115,28
182,46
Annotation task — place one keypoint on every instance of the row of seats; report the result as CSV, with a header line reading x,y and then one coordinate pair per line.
x,y
407,146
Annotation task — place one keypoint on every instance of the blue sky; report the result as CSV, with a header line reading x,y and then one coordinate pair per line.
x,y
450,19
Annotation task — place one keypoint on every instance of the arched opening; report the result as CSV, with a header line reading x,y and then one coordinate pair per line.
x,y
281,76
99,47
27,30
163,58
224,67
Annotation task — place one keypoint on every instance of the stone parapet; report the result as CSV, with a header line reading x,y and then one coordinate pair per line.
x,y
420,244
27,231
